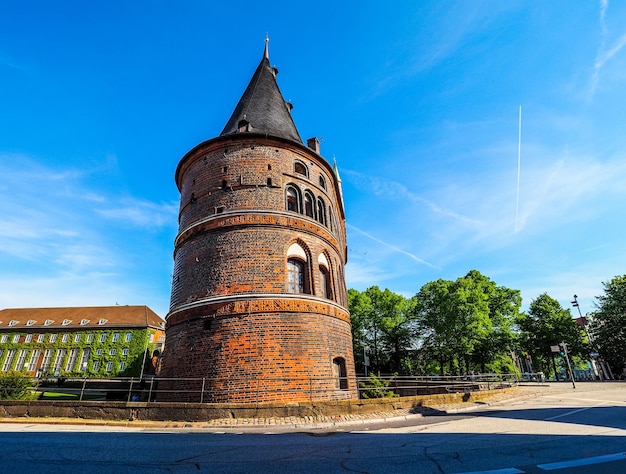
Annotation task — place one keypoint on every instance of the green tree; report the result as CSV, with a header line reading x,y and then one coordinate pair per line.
x,y
608,327
382,323
547,324
466,323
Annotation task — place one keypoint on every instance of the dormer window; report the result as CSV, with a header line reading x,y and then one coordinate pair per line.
x,y
84,322
66,322
12,322
48,322
243,126
30,322
300,168
102,322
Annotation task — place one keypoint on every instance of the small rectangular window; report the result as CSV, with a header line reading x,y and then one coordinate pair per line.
x,y
29,337
109,366
112,351
77,337
40,337
65,337
98,352
116,336
129,336
16,338
122,365
5,338
89,337
53,337
125,352
96,365
103,337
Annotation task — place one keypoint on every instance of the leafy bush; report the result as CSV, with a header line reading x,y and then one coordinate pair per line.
x,y
15,386
374,387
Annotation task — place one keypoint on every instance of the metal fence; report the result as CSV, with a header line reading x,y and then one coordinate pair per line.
x,y
242,390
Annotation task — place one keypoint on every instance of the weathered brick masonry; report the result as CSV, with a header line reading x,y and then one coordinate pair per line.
x,y
259,309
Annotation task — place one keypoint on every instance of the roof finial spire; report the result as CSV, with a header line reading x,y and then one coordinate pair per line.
x,y
267,49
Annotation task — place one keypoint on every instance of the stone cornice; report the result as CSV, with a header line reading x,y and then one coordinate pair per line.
x,y
237,305
257,218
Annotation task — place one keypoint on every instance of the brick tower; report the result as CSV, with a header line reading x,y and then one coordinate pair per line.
x,y
259,308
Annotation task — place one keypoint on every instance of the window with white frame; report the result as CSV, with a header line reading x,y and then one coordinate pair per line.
x,y
129,336
122,365
4,338
28,338
53,337
116,336
103,337
89,337
96,365
58,361
125,352
109,366
9,360
21,359
34,358
41,337
65,337
84,359
112,351
47,357
77,337
71,360
16,338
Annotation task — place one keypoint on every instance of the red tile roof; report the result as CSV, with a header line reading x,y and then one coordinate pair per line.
x,y
101,317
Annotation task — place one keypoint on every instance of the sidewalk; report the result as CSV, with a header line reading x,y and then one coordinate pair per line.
x,y
323,422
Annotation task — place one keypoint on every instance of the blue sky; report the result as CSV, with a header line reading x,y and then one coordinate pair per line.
x,y
418,102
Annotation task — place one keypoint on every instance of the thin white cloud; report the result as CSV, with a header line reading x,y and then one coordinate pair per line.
x,y
393,190
604,54
392,247
142,213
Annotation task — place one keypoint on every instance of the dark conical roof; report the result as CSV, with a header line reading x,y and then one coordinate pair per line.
x,y
262,108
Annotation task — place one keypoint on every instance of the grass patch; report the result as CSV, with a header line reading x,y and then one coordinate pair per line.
x,y
69,396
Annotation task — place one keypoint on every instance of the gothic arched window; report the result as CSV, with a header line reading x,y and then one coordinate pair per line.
x,y
293,199
309,205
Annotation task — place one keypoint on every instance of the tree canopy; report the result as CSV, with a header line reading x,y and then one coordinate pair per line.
x,y
608,326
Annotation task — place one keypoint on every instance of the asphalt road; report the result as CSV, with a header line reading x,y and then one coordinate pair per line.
x,y
564,426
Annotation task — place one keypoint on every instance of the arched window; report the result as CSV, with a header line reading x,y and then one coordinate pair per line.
x,y
321,211
325,281
309,205
300,168
339,373
322,182
293,199
297,274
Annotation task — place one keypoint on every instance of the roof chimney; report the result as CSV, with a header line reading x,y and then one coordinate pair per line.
x,y
314,144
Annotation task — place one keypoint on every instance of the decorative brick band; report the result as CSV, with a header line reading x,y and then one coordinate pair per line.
x,y
256,219
223,309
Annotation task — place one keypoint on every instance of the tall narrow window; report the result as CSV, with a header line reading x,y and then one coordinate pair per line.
x,y
325,281
296,276
293,199
309,205
321,211
339,372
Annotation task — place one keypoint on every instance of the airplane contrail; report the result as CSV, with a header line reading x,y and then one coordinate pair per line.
x,y
519,155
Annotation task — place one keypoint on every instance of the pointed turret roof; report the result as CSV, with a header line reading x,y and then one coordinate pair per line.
x,y
262,108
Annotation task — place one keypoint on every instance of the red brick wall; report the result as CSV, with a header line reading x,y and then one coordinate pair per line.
x,y
231,253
